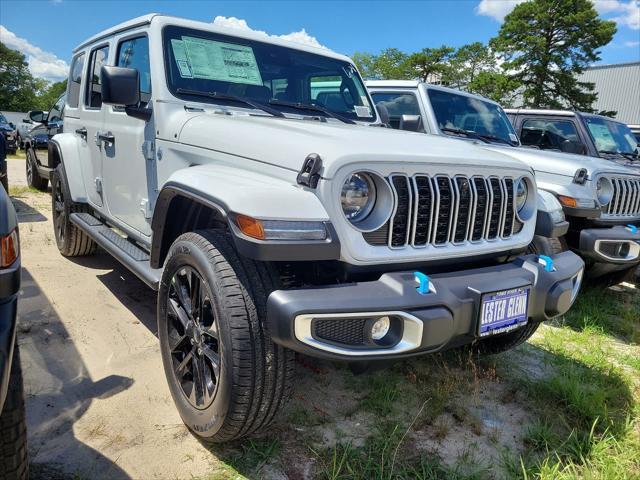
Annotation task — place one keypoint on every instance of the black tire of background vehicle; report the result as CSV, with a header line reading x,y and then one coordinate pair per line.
x,y
255,374
13,427
547,246
71,241
614,278
4,178
34,180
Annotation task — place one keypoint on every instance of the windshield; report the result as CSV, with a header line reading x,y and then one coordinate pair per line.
x,y
460,112
611,137
206,62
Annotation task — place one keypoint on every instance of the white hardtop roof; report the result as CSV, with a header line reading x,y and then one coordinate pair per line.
x,y
393,83
209,27
540,111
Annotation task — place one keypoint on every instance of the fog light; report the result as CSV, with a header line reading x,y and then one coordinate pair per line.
x,y
380,328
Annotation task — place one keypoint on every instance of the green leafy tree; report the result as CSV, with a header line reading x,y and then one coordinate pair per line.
x,y
50,94
495,85
17,86
547,43
431,64
389,64
468,62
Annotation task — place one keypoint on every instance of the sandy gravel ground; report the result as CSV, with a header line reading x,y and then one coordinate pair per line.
x,y
97,401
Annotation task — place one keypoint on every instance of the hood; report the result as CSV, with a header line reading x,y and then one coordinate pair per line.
x,y
545,161
286,142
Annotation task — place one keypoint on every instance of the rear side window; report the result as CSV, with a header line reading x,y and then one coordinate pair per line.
x,y
75,77
134,53
93,98
548,134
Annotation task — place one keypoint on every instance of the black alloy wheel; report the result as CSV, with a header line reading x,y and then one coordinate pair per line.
x,y
194,340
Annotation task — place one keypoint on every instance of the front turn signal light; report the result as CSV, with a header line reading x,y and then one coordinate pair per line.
x,y
568,201
9,249
251,227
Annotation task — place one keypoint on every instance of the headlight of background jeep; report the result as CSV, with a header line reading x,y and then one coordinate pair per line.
x,y
366,200
604,190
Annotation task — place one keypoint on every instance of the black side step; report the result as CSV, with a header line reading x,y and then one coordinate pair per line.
x,y
127,253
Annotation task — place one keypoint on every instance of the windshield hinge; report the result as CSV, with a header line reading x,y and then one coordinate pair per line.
x,y
310,172
148,149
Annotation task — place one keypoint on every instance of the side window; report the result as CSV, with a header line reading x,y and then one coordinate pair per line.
x,y
397,104
549,134
56,112
93,98
75,77
134,53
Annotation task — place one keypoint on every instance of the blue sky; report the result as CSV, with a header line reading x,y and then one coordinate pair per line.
x,y
47,30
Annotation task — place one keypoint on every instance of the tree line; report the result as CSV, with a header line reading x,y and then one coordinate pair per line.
x,y
534,61
20,91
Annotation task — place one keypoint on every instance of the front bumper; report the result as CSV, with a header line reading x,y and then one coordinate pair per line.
x,y
447,316
617,246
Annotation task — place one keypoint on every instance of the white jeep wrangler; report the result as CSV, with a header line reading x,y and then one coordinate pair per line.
x,y
600,198
248,181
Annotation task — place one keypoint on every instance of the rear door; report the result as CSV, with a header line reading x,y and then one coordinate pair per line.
x,y
129,167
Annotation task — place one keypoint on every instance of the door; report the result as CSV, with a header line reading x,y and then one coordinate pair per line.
x,y
91,125
129,161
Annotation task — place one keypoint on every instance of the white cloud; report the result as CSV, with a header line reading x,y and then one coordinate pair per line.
x,y
625,13
41,64
300,36
496,9
631,44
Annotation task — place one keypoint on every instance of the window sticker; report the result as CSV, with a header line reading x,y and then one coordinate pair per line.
x,y
181,58
225,62
513,137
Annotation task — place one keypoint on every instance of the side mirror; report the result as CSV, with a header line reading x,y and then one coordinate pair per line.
x,y
37,116
411,123
120,86
383,112
27,121
572,146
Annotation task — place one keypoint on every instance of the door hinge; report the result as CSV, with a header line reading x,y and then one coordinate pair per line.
x,y
98,182
310,172
149,149
145,208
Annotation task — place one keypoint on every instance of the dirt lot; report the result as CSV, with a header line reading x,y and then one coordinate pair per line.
x,y
563,406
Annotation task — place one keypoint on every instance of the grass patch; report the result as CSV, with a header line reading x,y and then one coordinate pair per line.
x,y
19,155
21,190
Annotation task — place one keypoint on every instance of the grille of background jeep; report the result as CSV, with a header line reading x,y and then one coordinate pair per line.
x,y
442,209
625,202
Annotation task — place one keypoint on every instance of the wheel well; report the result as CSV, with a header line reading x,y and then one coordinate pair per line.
x,y
180,214
53,155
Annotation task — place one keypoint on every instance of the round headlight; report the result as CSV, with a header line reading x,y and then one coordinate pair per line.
x,y
358,197
522,193
604,190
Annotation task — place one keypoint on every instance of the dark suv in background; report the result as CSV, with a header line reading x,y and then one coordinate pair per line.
x,y
38,167
8,129
13,429
576,132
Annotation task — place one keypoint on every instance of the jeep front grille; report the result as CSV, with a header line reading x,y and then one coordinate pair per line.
x,y
441,209
625,201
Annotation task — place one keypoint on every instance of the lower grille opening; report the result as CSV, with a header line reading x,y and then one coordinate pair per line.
x,y
345,332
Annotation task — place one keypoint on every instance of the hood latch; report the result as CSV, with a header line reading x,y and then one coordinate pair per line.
x,y
310,173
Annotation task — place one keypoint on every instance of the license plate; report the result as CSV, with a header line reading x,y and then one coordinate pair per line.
x,y
503,311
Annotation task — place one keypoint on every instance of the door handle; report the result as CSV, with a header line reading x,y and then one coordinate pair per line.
x,y
82,132
107,138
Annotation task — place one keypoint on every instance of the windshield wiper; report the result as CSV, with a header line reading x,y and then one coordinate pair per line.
x,y
496,139
629,155
232,98
312,108
466,133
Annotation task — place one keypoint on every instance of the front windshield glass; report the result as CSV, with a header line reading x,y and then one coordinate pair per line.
x,y
611,137
209,63
460,112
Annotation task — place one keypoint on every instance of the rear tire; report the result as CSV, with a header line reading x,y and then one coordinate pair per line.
x,y
71,241
13,427
547,246
222,339
34,180
4,177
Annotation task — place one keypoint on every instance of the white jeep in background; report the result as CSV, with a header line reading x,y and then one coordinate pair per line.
x,y
248,181
601,199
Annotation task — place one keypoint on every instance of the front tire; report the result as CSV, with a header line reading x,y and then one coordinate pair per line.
x,y
71,241
4,177
226,376
547,246
13,427
34,180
